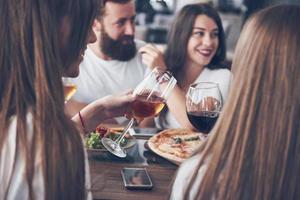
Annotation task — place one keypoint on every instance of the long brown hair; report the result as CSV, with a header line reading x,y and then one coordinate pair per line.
x,y
175,55
254,149
31,66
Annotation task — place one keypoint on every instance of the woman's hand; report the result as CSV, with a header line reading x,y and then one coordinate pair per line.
x,y
152,57
117,105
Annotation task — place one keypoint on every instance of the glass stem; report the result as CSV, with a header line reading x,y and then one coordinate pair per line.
x,y
129,125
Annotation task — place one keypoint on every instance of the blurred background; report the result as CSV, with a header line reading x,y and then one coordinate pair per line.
x,y
154,17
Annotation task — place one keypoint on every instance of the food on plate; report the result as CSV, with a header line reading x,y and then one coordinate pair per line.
x,y
93,141
175,144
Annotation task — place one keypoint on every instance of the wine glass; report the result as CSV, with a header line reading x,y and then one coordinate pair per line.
x,y
203,105
151,95
69,88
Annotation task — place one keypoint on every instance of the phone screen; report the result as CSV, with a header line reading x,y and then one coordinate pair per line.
x,y
137,178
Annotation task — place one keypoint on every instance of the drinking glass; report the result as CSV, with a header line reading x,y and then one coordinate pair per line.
x,y
69,88
203,105
151,95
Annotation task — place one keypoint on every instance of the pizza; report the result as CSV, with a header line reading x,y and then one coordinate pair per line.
x,y
175,145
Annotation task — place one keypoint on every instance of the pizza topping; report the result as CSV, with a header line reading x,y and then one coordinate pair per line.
x,y
193,138
101,130
177,140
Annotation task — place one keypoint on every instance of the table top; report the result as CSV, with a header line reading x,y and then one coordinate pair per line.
x,y
106,176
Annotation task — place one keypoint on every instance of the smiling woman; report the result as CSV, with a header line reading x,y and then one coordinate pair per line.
x,y
197,56
203,42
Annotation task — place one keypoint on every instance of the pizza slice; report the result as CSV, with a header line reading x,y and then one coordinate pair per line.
x,y
175,144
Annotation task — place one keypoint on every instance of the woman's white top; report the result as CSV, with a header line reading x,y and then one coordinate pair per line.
x,y
18,187
183,177
221,76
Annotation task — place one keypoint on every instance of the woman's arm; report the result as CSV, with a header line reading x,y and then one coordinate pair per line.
x,y
88,118
148,122
176,105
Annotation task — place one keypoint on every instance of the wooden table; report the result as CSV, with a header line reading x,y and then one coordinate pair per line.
x,y
107,181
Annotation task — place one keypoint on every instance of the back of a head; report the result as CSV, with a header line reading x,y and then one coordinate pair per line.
x,y
31,67
266,68
256,142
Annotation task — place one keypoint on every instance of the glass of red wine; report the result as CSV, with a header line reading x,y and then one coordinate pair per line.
x,y
151,95
203,105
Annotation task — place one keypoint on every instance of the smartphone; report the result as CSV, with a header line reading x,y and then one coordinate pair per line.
x,y
136,178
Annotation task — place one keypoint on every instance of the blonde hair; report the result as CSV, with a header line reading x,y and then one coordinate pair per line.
x,y
31,67
254,149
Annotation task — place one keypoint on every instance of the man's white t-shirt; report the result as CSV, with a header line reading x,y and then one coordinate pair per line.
x,y
99,78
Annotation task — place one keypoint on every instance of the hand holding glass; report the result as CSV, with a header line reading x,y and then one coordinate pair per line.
x,y
203,105
151,95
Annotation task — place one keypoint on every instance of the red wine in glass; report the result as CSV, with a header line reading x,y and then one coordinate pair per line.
x,y
203,121
203,105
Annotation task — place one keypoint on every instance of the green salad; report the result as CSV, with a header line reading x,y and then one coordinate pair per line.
x,y
93,141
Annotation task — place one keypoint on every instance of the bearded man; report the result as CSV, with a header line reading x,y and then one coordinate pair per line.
x,y
111,65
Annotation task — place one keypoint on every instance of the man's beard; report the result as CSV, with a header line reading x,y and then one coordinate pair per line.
x,y
122,49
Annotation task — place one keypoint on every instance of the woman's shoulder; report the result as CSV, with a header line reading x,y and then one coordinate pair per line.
x,y
189,164
221,72
184,175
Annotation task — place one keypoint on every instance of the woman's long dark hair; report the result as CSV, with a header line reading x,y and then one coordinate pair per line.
x,y
31,67
176,53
